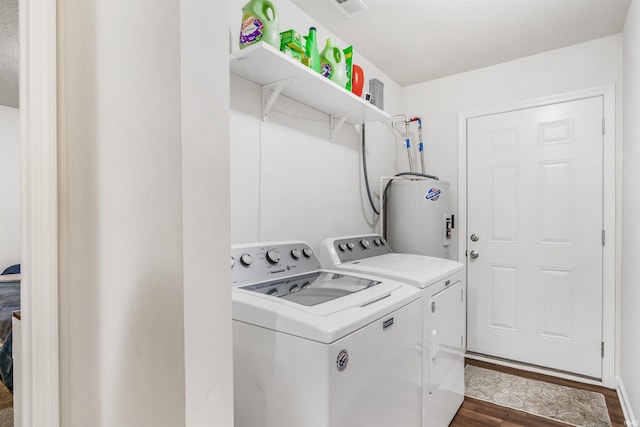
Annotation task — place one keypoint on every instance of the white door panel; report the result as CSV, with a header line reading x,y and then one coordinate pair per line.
x,y
535,197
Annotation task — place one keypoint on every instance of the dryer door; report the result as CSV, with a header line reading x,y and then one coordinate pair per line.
x,y
445,320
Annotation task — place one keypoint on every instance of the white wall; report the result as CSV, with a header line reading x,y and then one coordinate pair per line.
x,y
9,187
129,216
288,180
206,221
630,315
121,307
577,67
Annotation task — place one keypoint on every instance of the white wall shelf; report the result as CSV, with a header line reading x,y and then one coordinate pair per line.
x,y
279,74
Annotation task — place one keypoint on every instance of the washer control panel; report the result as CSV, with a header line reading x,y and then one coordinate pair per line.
x,y
266,261
360,247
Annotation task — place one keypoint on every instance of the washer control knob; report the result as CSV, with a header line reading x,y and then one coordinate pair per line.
x,y
273,256
307,252
246,260
377,242
294,289
272,292
351,245
295,254
342,247
364,243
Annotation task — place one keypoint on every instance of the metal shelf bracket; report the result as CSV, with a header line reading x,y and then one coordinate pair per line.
x,y
336,123
270,93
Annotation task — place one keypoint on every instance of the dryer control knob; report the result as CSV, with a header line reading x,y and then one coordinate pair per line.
x,y
295,254
342,247
307,252
246,260
273,256
351,245
364,243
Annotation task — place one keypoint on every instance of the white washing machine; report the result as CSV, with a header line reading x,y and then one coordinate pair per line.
x,y
442,284
317,348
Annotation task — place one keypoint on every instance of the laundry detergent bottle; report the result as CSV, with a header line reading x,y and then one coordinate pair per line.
x,y
259,23
333,64
312,57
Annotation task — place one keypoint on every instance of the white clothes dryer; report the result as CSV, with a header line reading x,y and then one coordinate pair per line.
x,y
442,284
320,348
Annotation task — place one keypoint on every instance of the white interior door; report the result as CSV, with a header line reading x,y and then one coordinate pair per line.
x,y
535,206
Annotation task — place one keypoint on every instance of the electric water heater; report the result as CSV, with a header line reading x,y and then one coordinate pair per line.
x,y
418,218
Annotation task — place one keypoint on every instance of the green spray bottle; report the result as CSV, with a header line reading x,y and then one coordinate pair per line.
x,y
259,23
311,55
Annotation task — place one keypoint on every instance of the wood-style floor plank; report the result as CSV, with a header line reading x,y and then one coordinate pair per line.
x,y
476,413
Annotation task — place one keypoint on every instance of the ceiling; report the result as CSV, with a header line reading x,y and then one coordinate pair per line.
x,y
413,41
9,53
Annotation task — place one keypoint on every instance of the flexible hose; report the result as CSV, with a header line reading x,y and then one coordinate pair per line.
x,y
366,174
417,174
386,188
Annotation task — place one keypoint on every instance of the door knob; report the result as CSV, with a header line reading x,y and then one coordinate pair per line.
x,y
473,254
474,237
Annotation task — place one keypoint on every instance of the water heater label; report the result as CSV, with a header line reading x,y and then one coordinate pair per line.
x,y
433,194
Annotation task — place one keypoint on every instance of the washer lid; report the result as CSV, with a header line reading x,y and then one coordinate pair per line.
x,y
417,270
312,288
331,306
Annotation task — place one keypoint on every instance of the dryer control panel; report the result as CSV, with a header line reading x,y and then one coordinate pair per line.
x,y
265,261
355,248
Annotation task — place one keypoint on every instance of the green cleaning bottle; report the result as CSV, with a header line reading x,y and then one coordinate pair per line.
x,y
333,64
311,55
259,23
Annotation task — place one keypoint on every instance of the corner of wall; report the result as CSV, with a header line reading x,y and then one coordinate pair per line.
x,y
627,410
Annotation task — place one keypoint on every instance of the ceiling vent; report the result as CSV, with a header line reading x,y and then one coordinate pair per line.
x,y
351,8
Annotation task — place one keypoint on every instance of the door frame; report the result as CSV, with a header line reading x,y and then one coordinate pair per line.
x,y
611,223
39,376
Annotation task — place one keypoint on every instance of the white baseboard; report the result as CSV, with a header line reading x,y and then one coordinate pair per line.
x,y
629,418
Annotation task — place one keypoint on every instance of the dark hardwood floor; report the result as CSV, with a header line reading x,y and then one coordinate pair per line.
x,y
476,413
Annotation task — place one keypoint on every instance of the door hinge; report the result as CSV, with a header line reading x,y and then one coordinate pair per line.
x,y
602,348
603,237
603,126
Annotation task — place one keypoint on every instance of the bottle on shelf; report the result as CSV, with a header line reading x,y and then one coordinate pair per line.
x,y
357,80
259,23
311,55
332,64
